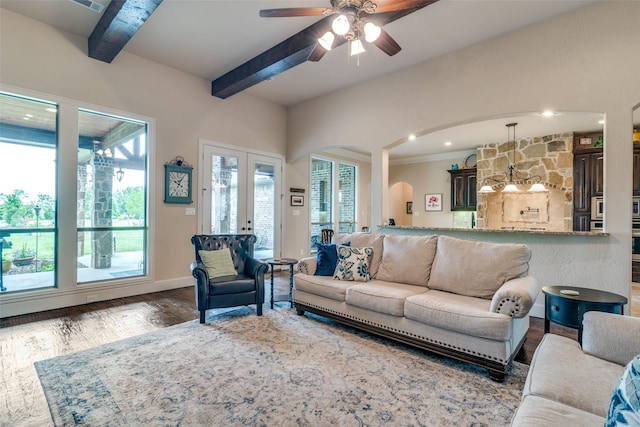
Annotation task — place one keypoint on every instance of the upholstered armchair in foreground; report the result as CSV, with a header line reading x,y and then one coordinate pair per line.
x,y
225,272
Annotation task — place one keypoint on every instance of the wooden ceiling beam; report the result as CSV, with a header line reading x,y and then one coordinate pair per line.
x,y
119,22
287,54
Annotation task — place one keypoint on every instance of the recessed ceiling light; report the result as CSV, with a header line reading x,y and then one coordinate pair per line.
x,y
447,143
548,113
29,115
412,137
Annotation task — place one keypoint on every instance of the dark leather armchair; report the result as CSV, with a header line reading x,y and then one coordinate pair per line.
x,y
229,291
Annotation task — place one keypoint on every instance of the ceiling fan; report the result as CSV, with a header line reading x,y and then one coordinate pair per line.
x,y
356,19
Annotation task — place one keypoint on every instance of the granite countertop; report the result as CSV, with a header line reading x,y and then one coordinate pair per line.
x,y
488,230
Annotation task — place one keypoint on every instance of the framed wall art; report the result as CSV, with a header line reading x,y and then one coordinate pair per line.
x,y
433,202
409,208
297,200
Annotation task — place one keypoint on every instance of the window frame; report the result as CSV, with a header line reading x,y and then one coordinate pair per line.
x,y
62,294
334,221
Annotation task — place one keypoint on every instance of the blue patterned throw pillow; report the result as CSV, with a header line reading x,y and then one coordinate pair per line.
x,y
353,264
327,257
624,408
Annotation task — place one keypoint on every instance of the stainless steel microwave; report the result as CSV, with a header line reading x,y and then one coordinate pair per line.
x,y
597,208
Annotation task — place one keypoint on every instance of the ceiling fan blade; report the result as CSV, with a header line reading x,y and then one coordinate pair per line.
x,y
391,6
317,53
293,11
387,44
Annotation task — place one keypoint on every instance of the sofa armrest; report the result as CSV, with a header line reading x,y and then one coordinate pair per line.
x,y
308,265
611,337
515,297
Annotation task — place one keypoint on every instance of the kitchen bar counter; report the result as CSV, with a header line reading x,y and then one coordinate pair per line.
x,y
434,230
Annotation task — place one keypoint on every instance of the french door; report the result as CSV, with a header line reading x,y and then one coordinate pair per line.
x,y
241,194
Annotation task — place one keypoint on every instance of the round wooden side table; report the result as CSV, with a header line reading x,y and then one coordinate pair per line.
x,y
282,261
566,305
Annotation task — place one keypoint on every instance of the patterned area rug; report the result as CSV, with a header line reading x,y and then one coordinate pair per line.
x,y
276,370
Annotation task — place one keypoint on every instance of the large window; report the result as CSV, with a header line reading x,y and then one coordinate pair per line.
x,y
333,195
112,153
109,191
28,232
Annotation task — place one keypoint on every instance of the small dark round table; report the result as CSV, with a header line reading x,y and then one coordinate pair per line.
x,y
566,305
283,261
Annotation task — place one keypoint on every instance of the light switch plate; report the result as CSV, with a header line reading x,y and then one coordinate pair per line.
x,y
190,211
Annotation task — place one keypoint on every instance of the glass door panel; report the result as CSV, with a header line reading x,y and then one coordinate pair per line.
x,y
241,195
264,207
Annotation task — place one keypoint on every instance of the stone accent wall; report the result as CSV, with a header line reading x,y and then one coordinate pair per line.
x,y
551,158
102,241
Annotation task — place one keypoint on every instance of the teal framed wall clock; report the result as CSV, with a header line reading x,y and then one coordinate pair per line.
x,y
177,184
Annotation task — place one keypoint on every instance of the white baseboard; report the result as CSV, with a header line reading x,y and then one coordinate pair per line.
x,y
50,299
538,310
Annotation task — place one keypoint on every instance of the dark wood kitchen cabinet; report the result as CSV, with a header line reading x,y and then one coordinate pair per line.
x,y
588,179
636,170
581,192
587,182
463,189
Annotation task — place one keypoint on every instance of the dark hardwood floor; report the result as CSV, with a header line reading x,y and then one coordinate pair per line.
x,y
32,337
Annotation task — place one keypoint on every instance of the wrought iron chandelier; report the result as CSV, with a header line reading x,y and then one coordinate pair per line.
x,y
512,175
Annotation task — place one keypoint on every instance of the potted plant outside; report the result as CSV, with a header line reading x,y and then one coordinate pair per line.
x,y
6,262
24,256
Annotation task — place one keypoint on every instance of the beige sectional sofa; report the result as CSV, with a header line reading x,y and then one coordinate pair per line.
x,y
572,386
465,299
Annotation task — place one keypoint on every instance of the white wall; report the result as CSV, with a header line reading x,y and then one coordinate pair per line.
x,y
40,58
427,178
583,61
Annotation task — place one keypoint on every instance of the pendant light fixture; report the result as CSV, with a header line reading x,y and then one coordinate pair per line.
x,y
512,175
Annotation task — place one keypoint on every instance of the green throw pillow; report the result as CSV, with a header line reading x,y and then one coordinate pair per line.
x,y
218,263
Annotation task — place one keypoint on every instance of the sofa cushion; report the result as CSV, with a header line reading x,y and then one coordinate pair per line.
x,y
459,313
327,258
218,263
560,371
381,297
624,408
353,264
537,411
361,240
322,285
475,268
407,259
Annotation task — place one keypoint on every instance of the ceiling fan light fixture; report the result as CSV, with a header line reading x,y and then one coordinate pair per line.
x,y
341,25
371,32
326,41
356,47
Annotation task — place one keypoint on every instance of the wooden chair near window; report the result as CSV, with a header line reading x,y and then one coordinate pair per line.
x,y
326,236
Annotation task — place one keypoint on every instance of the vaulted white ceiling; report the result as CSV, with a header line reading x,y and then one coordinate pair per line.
x,y
208,38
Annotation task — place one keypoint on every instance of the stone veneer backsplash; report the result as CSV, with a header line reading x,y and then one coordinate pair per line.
x,y
551,158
